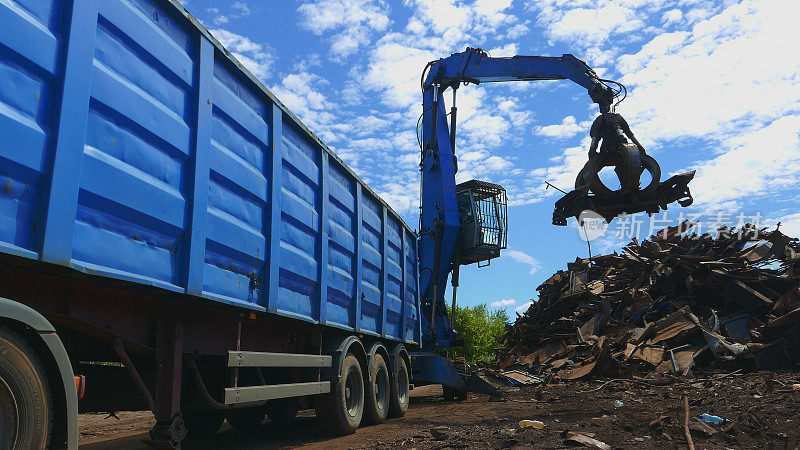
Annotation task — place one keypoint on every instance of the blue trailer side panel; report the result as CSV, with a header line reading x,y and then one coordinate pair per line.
x,y
135,147
29,97
238,191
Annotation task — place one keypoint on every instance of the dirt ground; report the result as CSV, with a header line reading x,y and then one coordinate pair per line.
x,y
762,408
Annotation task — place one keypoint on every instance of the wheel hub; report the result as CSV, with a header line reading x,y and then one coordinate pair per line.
x,y
352,393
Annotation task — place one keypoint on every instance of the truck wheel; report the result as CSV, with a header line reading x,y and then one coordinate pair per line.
x,y
340,411
376,405
202,422
282,410
398,400
246,418
26,408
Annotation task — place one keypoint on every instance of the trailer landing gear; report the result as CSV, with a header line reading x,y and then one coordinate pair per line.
x,y
170,428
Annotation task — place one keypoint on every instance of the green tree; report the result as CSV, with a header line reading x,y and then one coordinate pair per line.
x,y
481,329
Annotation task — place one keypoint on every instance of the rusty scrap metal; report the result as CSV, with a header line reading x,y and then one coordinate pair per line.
x,y
668,306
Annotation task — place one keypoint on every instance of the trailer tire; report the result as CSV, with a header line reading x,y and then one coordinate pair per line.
x,y
246,418
398,400
202,422
26,406
282,410
340,411
376,404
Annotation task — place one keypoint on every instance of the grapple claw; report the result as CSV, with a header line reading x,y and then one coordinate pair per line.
x,y
591,194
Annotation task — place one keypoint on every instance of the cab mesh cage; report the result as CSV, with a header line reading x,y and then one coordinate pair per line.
x,y
490,211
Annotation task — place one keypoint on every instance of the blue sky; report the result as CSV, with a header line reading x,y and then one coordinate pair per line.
x,y
713,86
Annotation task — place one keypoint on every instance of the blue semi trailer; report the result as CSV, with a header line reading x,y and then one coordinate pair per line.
x,y
160,208
173,238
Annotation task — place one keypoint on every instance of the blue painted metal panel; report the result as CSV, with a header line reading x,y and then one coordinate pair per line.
x,y
323,243
298,257
236,230
371,264
131,208
60,215
411,310
201,170
359,316
276,130
136,148
342,237
30,41
393,279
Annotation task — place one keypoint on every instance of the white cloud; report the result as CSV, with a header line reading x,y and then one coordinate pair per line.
x,y
727,81
394,71
509,106
301,93
569,127
510,49
436,29
370,124
241,7
724,82
236,11
672,16
403,196
561,174
306,62
523,258
591,25
790,224
518,30
354,20
599,29
503,303
727,73
257,58
523,307
451,23
768,158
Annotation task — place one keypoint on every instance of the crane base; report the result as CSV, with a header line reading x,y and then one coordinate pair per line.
x,y
674,189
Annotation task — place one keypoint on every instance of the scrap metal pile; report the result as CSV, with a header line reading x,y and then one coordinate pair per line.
x,y
672,304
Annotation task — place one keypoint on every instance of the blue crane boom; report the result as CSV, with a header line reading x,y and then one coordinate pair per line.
x,y
475,66
465,224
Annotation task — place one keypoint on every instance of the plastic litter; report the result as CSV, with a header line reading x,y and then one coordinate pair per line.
x,y
581,440
618,404
531,424
796,387
715,420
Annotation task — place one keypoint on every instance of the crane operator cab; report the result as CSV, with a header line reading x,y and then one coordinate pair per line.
x,y
484,221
